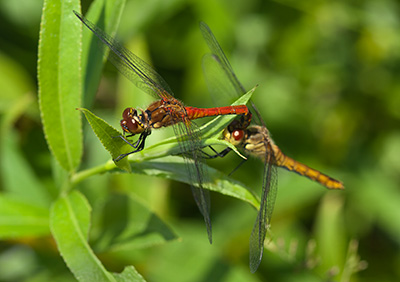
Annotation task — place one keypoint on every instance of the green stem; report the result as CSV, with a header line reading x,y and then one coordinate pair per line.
x,y
82,175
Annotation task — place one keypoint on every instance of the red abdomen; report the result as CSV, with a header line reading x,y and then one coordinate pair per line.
x,y
195,113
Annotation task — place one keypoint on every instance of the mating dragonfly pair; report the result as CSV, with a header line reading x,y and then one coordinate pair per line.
x,y
168,111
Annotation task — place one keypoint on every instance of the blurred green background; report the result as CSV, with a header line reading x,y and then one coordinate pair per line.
x,y
329,92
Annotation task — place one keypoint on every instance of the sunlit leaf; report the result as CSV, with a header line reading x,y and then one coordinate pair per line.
x,y
173,167
69,223
109,137
59,79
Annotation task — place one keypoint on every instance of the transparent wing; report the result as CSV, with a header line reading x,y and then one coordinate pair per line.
x,y
190,143
130,65
218,72
264,215
221,90
220,57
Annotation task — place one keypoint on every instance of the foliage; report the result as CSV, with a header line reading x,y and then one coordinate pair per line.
x,y
328,90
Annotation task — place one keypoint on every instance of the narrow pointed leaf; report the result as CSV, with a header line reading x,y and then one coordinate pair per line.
x,y
109,137
173,167
60,81
69,223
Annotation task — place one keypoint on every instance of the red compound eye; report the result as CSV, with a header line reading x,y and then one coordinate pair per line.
x,y
129,125
130,121
238,134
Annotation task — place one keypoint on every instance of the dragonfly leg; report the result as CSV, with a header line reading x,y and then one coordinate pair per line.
x,y
221,154
140,140
138,145
127,141
236,168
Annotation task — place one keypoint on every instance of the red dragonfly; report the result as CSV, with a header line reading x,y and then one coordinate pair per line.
x,y
254,140
165,112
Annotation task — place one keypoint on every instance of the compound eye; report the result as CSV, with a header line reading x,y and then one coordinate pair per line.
x,y
238,134
129,125
129,113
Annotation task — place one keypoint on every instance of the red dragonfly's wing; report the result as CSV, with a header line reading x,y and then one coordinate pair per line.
x,y
190,143
130,65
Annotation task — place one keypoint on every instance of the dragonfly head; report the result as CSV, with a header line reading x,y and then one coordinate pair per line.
x,y
130,122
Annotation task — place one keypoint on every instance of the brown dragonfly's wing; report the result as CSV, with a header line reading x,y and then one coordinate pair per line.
x,y
264,215
219,86
216,66
218,72
130,65
219,56
190,145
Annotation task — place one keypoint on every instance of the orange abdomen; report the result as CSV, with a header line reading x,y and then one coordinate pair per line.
x,y
313,174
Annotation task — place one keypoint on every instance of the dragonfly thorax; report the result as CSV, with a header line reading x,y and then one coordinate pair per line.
x,y
131,121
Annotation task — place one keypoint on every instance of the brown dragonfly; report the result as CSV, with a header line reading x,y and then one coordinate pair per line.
x,y
254,140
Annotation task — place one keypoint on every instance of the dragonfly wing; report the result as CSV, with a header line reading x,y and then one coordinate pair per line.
x,y
221,89
190,143
216,67
130,65
264,215
220,57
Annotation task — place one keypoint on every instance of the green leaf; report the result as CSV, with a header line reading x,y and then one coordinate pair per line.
x,y
60,81
127,224
106,15
109,137
69,223
173,167
20,219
